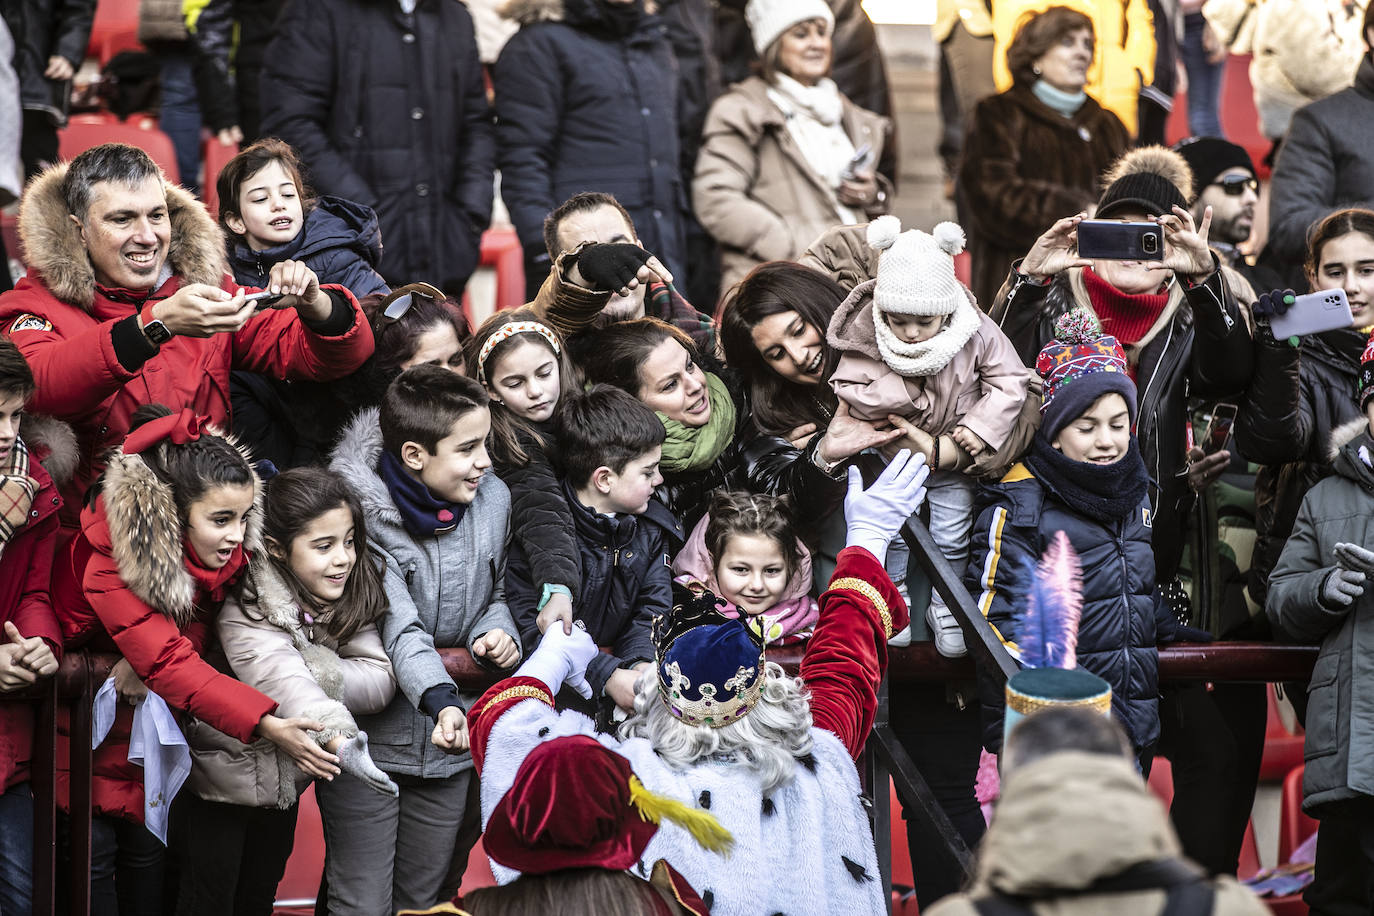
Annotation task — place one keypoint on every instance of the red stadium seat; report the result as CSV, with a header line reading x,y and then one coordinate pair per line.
x,y
114,29
84,131
501,250
1238,117
1294,825
216,156
301,882
1282,748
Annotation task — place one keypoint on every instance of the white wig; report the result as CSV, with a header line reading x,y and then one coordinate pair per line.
x,y
768,740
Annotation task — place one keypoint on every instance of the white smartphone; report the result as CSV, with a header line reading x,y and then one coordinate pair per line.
x,y
1324,310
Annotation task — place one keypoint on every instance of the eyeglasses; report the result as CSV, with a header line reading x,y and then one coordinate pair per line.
x,y
397,308
1235,185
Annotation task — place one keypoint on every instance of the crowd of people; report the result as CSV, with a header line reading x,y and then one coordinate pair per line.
x,y
263,459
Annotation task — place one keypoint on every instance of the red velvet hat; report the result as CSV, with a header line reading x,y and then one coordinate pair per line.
x,y
577,804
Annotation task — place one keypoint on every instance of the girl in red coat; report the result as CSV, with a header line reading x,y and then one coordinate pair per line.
x,y
170,529
31,641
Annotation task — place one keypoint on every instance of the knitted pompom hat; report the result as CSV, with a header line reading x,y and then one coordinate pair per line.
x,y
1079,366
916,269
1367,373
1151,179
768,19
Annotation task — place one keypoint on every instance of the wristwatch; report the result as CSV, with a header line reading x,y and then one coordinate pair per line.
x,y
156,332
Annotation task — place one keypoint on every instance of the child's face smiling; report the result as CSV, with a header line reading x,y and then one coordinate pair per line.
x,y
912,329
1101,435
752,573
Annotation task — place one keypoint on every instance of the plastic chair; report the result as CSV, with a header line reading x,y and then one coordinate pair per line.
x,y
216,156
84,131
114,29
1294,826
1282,748
1162,780
301,881
501,250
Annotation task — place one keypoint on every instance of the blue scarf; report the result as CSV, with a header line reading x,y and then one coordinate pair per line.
x,y
421,514
1066,103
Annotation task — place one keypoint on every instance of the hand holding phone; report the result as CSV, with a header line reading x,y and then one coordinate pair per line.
x,y
1118,240
263,299
1324,310
1219,428
861,162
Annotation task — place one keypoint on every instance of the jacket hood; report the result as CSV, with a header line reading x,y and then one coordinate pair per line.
x,y
356,457
146,536
54,248
1068,819
54,444
851,326
526,12
331,223
694,560
1350,445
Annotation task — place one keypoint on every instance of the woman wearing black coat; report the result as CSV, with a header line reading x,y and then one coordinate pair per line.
x,y
389,109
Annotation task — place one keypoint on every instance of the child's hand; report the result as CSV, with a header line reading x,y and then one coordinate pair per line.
x,y
14,674
37,655
497,647
127,684
913,439
558,608
620,686
968,440
451,729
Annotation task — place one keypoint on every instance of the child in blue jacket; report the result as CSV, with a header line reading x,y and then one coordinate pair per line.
x,y
1084,476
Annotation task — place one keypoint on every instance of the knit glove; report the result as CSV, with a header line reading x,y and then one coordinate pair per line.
x,y
873,516
1354,558
1271,305
355,760
1341,587
562,659
611,266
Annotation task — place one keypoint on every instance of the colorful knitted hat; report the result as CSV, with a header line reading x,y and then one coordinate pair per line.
x,y
1367,373
916,269
768,19
1079,366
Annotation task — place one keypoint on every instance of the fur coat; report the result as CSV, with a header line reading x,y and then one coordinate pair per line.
x,y
309,674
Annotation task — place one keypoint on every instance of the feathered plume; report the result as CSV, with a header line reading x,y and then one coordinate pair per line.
x,y
1048,624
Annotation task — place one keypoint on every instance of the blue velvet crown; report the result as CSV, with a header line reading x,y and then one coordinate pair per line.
x,y
710,668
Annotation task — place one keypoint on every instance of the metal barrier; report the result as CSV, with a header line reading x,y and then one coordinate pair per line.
x,y
73,689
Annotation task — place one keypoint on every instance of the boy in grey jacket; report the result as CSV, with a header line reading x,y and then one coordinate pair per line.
x,y
441,521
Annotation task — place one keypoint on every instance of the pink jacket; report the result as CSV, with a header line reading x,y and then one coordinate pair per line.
x,y
790,620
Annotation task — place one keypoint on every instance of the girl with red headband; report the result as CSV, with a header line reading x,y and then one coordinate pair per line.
x,y
168,531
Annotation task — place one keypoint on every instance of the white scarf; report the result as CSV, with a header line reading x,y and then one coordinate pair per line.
x,y
813,117
926,357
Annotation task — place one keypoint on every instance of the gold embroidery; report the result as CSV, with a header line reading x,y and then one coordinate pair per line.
x,y
523,690
869,592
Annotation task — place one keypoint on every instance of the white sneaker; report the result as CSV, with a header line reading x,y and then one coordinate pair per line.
x,y
902,637
949,638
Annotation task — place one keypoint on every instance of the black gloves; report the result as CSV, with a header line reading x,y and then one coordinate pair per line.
x,y
610,266
1269,306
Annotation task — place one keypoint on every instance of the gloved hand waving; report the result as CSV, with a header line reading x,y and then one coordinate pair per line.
x,y
562,658
875,515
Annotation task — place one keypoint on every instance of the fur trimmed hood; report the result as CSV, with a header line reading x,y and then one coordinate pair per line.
x,y
1344,434
527,12
54,247
55,442
146,534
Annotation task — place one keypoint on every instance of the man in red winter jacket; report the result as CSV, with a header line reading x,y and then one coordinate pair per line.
x,y
128,301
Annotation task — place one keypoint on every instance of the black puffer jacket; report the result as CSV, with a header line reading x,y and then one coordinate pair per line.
x,y
1124,618
1203,351
340,242
1298,398
389,109
541,520
230,38
581,109
625,577
756,462
42,29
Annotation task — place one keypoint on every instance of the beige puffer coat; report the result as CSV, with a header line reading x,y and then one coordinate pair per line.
x,y
308,674
754,190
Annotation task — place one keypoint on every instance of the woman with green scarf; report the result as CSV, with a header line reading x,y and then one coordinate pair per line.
x,y
712,440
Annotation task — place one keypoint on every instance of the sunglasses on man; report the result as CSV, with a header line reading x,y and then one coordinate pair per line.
x,y
1235,185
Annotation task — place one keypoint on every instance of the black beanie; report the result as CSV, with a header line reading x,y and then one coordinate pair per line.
x,y
1208,157
1152,179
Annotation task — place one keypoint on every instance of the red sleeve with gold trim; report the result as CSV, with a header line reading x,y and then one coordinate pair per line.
x,y
485,713
846,657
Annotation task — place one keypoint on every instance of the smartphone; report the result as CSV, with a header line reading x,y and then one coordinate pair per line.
x,y
1114,240
264,299
1324,310
1219,428
860,163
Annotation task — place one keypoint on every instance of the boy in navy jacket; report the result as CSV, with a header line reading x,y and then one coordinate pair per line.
x,y
610,445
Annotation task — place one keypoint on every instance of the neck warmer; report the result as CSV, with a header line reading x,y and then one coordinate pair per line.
x,y
926,357
620,19
820,102
1125,316
1065,103
694,448
1103,492
422,515
212,582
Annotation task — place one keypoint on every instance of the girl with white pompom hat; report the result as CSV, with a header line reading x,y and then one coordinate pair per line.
x,y
918,352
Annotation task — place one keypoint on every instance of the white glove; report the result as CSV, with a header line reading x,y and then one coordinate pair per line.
x,y
562,659
355,760
1355,558
1341,587
875,515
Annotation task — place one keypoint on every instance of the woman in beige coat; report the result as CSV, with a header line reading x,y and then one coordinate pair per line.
x,y
302,630
785,155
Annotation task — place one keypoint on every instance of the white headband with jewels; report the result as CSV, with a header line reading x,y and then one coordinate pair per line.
x,y
510,330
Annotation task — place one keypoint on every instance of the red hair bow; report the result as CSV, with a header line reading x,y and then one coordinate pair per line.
x,y
177,428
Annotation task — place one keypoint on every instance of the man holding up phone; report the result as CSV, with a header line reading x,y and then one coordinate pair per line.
x,y
1177,318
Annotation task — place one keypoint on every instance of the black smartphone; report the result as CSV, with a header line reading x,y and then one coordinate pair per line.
x,y
1115,240
264,299
1219,428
